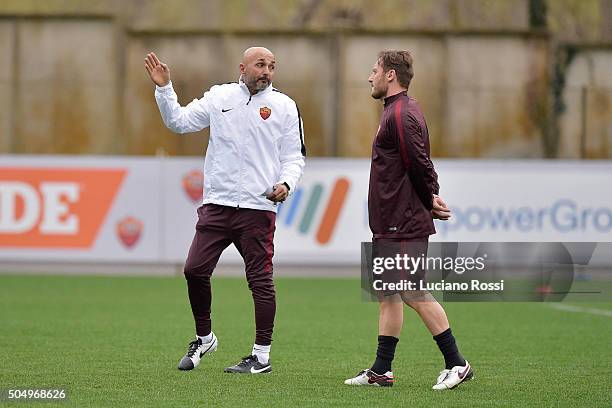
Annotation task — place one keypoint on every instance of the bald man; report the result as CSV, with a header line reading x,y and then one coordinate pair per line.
x,y
254,159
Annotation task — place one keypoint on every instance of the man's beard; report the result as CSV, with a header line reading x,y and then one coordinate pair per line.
x,y
378,93
257,84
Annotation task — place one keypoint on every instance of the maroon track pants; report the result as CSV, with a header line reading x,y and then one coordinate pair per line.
x,y
252,232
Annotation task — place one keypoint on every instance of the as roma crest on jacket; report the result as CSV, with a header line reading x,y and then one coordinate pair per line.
x,y
265,112
129,230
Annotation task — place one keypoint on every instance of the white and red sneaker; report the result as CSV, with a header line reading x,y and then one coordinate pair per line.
x,y
369,377
449,379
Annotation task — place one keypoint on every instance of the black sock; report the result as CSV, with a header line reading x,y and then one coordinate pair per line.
x,y
384,354
448,347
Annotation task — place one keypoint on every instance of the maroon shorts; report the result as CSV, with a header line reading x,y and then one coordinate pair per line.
x,y
415,248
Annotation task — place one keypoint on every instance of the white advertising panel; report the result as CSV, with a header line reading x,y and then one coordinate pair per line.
x,y
116,209
527,201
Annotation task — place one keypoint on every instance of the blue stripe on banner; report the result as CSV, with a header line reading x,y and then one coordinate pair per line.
x,y
295,203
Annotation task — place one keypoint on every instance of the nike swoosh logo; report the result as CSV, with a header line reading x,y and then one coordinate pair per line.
x,y
255,371
467,368
378,378
209,347
226,110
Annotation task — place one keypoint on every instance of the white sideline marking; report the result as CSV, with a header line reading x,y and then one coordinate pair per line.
x,y
578,309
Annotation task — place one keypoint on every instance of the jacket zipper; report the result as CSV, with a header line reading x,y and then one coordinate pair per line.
x,y
240,185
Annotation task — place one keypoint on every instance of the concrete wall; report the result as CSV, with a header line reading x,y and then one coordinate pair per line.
x,y
290,14
588,102
73,71
569,20
61,80
7,32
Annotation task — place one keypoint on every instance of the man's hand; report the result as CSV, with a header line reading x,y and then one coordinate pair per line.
x,y
279,193
157,70
440,210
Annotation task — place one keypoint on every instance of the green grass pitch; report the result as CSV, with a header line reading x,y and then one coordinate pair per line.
x,y
116,341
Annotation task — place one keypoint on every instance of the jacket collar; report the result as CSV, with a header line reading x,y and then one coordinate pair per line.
x,y
390,99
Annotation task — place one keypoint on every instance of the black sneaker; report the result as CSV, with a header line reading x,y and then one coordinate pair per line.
x,y
196,351
249,365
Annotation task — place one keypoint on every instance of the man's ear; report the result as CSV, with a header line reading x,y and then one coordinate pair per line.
x,y
390,74
241,68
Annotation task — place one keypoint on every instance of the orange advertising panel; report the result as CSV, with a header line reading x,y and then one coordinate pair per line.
x,y
55,207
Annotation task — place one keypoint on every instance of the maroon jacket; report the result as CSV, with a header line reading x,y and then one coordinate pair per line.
x,y
402,176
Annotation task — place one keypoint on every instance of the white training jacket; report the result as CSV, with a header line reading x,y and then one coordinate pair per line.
x,y
256,141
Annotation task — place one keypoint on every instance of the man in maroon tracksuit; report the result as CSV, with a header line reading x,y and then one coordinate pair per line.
x,y
402,203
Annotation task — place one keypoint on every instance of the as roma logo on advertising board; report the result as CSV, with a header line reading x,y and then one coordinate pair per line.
x,y
193,185
265,112
129,230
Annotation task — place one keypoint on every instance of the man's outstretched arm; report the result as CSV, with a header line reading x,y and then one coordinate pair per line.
x,y
179,119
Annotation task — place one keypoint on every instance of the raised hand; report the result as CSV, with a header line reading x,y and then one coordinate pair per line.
x,y
157,70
